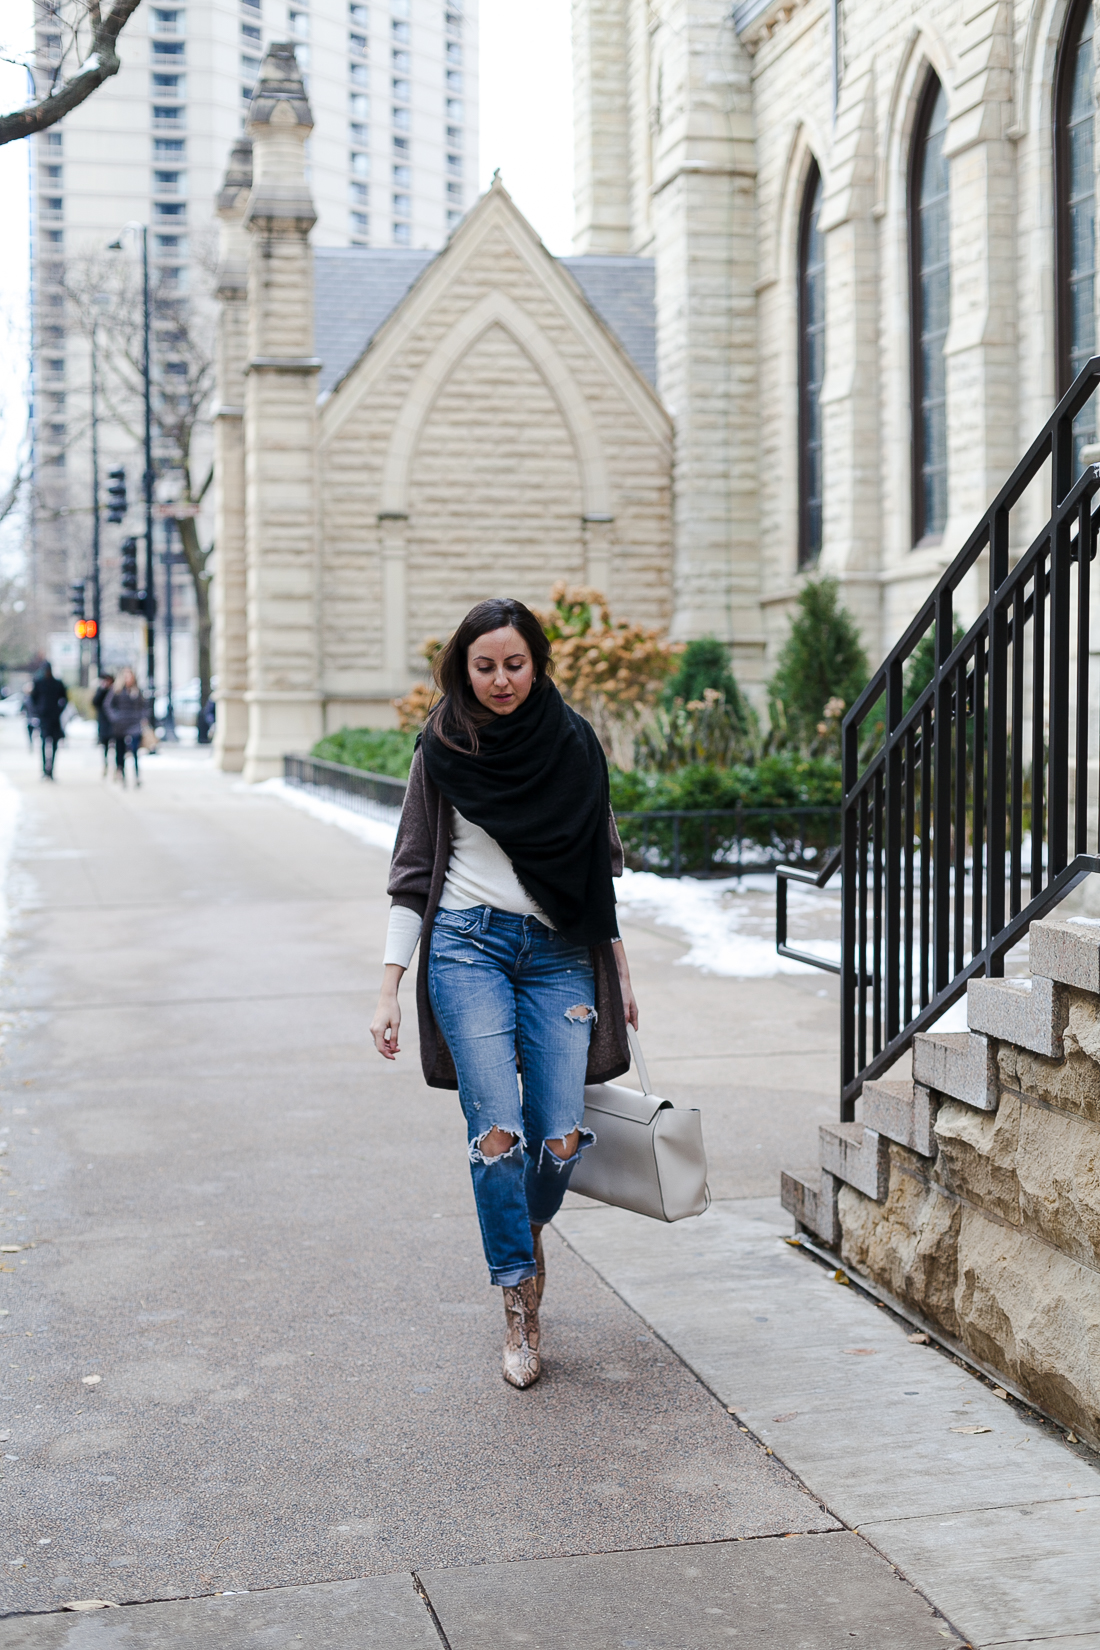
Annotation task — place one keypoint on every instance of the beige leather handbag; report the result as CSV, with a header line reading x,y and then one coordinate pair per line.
x,y
648,1155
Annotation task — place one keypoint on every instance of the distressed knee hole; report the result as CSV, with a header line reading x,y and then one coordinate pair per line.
x,y
582,1011
494,1145
566,1147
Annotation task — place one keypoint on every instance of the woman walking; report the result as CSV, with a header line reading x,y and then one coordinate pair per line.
x,y
125,709
503,863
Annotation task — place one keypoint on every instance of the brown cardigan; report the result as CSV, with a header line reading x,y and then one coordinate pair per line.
x,y
418,871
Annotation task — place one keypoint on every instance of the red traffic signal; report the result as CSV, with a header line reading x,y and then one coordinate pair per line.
x,y
86,630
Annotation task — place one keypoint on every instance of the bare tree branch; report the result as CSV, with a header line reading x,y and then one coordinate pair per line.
x,y
99,65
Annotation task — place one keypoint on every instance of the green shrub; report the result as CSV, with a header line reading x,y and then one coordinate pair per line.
x,y
712,729
704,663
378,750
777,782
822,664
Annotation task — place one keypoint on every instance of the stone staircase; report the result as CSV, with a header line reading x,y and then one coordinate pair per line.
x,y
994,1141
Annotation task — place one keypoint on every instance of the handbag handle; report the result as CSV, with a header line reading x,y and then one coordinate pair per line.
x,y
639,1058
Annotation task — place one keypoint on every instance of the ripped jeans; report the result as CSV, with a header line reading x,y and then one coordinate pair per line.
x,y
502,984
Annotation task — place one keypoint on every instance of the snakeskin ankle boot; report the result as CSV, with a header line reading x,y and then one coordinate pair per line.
x,y
522,1365
540,1260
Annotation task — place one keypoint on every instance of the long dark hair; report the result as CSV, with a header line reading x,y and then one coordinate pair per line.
x,y
455,720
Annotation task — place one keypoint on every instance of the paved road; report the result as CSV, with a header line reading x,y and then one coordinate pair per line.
x,y
252,1346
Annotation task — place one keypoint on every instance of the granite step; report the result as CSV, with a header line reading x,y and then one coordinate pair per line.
x,y
959,1064
1032,1013
810,1195
857,1155
902,1111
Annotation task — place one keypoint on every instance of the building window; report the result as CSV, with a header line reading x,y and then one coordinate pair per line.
x,y
360,165
454,112
401,234
358,133
360,223
165,83
359,74
165,114
401,206
249,65
359,106
168,146
299,24
1075,190
359,192
250,31
167,22
358,14
930,308
357,44
811,369
401,119
402,177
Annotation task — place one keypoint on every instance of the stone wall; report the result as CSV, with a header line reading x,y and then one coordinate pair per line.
x,y
972,1193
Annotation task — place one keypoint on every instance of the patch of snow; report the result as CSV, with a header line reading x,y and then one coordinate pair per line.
x,y
714,924
378,829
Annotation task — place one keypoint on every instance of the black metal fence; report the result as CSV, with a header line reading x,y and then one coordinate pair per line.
x,y
724,842
367,793
967,812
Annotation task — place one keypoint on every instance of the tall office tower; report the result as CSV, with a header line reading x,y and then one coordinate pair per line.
x,y
393,162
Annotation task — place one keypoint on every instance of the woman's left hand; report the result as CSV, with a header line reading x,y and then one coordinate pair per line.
x,y
630,1005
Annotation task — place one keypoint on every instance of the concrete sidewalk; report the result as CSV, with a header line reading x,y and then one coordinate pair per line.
x,y
251,1353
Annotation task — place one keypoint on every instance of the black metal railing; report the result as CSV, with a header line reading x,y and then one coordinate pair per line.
x,y
817,877
968,810
724,842
368,793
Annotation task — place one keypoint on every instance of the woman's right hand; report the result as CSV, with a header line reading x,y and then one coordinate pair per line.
x,y
385,1026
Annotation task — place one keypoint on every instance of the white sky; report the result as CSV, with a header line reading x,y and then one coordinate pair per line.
x,y
526,120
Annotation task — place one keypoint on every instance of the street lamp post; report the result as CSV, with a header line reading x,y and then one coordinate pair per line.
x,y
96,614
148,477
170,735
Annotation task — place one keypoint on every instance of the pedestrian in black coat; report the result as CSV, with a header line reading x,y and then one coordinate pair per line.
x,y
49,698
104,734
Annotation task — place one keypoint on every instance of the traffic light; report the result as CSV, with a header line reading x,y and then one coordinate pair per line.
x,y
116,494
76,599
129,600
86,630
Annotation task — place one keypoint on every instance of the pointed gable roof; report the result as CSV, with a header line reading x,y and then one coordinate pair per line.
x,y
357,290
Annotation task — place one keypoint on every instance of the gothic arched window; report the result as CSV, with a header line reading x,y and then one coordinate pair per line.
x,y
930,305
1075,190
811,369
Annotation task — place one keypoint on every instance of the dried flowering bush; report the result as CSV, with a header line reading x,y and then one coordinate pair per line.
x,y
612,671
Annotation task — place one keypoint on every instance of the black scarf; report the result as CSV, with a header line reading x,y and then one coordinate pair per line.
x,y
538,786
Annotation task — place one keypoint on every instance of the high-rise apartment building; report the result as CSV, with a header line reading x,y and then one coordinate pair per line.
x,y
393,162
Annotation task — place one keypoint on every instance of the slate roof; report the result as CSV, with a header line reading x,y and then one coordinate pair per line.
x,y
622,291
355,289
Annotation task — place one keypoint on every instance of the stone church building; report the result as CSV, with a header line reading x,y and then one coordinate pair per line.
x,y
873,226
401,434
836,263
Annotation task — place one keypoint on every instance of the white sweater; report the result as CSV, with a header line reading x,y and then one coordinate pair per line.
x,y
479,873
